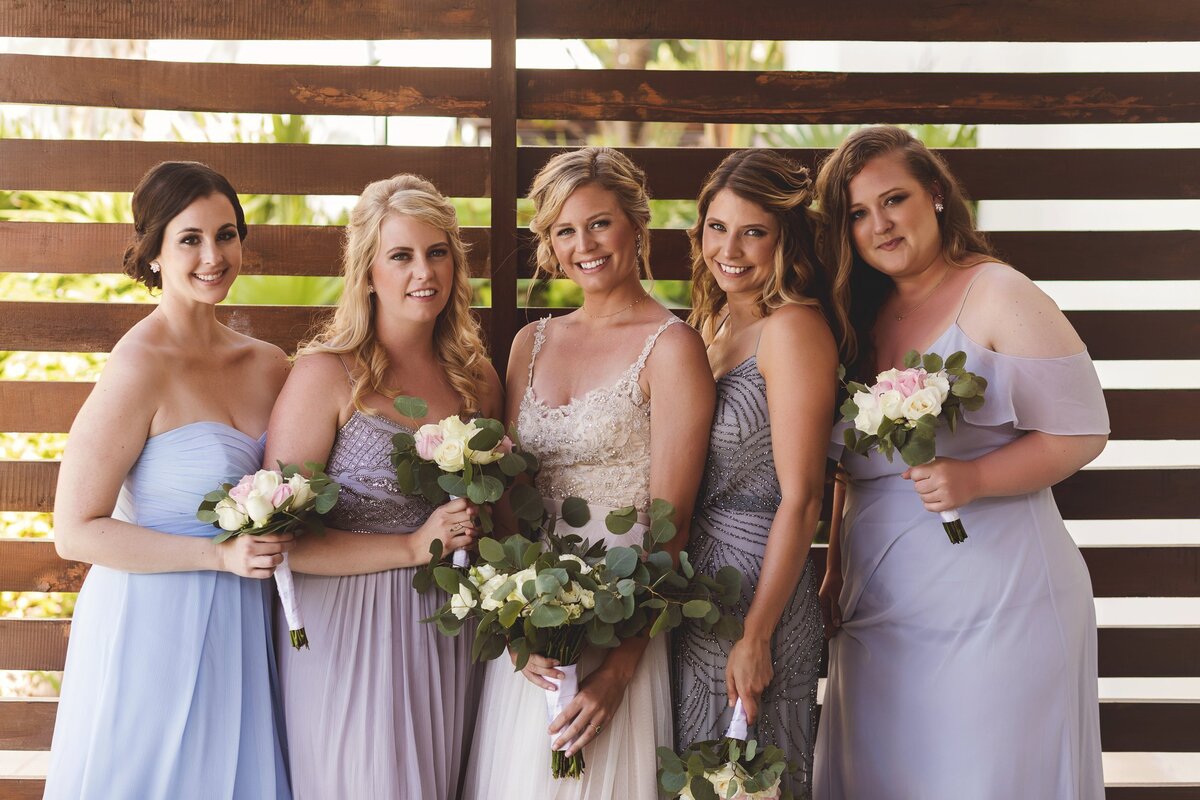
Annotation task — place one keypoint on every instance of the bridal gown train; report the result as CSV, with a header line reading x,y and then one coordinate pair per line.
x,y
596,447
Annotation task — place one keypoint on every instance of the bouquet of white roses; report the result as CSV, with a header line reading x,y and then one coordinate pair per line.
x,y
273,501
555,596
476,460
901,412
732,768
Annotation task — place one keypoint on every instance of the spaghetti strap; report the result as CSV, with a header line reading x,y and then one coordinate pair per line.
x,y
349,376
640,364
539,338
962,303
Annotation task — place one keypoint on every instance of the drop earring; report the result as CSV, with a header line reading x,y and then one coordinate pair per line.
x,y
938,205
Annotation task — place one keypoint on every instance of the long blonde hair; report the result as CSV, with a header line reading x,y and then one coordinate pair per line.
x,y
566,172
782,188
457,342
857,290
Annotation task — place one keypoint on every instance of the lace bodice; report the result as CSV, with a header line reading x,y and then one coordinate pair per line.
x,y
596,446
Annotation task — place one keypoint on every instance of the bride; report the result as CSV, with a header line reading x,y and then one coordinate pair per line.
x,y
582,392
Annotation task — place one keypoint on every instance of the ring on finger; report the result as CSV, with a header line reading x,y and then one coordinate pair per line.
x,y
597,728
456,527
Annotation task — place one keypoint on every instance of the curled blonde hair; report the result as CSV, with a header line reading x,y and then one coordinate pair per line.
x,y
782,188
457,342
566,172
857,290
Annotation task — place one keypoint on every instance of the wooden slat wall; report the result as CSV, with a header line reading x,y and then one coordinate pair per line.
x,y
502,172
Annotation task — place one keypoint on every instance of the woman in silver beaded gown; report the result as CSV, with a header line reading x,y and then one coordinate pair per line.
x,y
757,295
381,706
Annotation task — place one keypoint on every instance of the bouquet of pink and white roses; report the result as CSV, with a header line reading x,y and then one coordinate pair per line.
x,y
555,596
901,412
273,501
732,768
476,460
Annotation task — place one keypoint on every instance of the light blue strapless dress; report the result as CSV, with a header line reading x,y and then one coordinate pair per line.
x,y
170,688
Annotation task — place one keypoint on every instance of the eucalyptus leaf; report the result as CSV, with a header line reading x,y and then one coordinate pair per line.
x,y
411,407
491,550
621,520
452,484
957,360
447,579
485,440
932,362
696,609
526,503
548,616
575,512
621,561
912,359
512,464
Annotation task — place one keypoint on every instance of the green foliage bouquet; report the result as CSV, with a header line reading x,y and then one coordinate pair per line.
x,y
555,596
902,409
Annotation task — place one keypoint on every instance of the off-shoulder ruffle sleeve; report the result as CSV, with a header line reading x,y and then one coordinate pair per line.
x,y
1054,395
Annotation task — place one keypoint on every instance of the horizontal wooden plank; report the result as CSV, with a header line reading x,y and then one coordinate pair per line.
x,y
50,407
841,98
1159,792
97,248
1149,652
26,724
229,19
33,643
1150,727
257,88
987,174
28,485
873,20
22,788
60,327
117,166
32,565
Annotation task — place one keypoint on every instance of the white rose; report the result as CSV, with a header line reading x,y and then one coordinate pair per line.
x,y
486,601
922,402
259,507
584,569
891,403
587,598
229,516
449,454
482,574
462,602
484,456
888,375
869,414
721,778
570,593
266,481
302,494
520,578
454,428
939,382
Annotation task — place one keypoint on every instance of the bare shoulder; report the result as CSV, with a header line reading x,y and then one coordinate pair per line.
x,y
1009,313
797,329
520,354
323,369
679,341
268,359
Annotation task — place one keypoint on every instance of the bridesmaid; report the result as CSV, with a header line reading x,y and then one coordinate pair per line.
x,y
958,670
382,705
615,399
170,686
759,300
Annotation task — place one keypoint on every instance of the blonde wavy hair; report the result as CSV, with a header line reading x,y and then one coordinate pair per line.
x,y
782,188
857,290
566,172
457,342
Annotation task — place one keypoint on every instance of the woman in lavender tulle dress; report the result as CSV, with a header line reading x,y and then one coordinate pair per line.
x,y
962,670
381,705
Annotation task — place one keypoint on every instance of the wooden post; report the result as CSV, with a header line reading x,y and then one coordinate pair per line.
x,y
503,16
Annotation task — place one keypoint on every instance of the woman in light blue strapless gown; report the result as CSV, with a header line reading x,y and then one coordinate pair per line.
x,y
958,670
170,688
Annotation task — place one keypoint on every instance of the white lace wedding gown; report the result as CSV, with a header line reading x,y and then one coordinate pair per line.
x,y
596,447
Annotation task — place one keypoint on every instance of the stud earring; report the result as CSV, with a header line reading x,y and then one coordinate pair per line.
x,y
370,289
154,267
938,205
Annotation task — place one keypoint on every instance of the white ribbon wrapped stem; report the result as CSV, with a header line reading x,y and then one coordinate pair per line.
x,y
738,725
558,699
287,595
949,516
460,557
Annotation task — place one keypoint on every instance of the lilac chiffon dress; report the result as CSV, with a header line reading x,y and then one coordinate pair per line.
x,y
381,706
967,671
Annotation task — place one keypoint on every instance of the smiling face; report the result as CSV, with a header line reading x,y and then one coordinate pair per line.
x,y
201,251
892,219
413,272
594,241
739,242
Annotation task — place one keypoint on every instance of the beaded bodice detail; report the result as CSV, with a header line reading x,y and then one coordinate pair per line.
x,y
370,500
597,445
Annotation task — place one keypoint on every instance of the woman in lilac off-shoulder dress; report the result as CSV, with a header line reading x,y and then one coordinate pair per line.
x,y
170,688
963,670
381,705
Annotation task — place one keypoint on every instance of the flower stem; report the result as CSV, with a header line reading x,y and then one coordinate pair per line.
x,y
956,531
299,638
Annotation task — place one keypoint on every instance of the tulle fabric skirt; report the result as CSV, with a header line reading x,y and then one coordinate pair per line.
x,y
510,756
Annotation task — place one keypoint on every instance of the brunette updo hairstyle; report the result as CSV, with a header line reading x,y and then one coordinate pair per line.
x,y
161,195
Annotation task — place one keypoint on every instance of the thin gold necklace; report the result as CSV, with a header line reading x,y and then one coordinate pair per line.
x,y
924,300
614,313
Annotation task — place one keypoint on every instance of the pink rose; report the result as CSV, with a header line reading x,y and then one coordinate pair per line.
x,y
240,492
506,445
910,381
281,495
427,440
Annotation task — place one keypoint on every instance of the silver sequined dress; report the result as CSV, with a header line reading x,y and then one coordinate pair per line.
x,y
381,705
734,514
